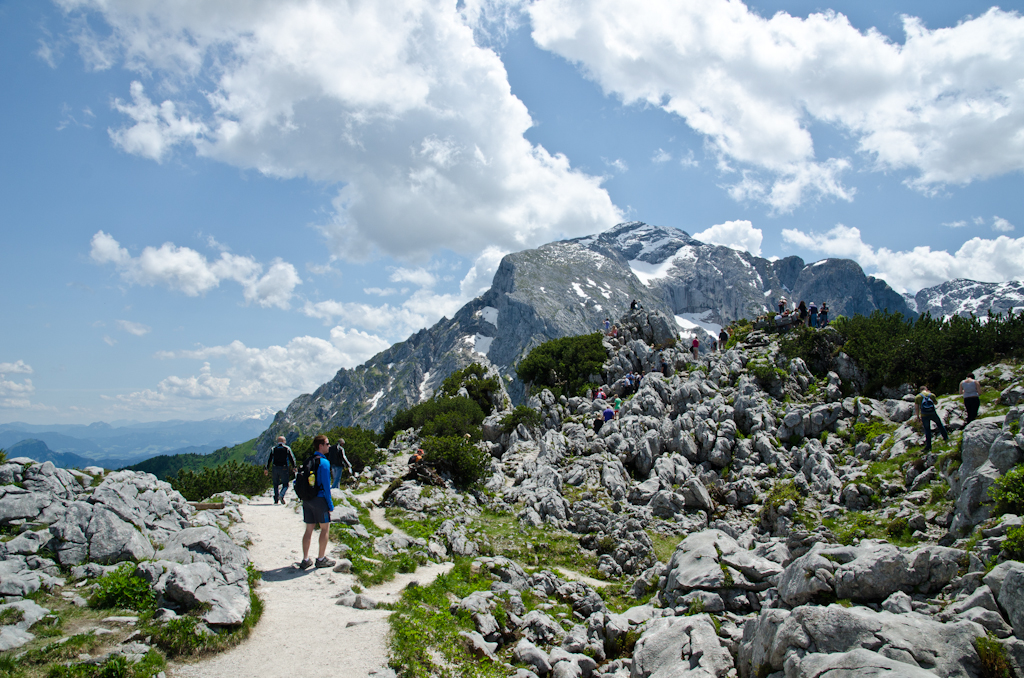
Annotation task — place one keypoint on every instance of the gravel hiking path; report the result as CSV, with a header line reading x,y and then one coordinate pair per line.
x,y
303,632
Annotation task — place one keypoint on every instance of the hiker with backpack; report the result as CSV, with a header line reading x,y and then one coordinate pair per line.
x,y
280,465
313,485
926,408
339,463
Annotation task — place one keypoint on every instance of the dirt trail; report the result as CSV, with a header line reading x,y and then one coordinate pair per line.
x,y
303,632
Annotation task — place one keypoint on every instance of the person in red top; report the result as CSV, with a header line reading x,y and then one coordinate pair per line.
x,y
694,346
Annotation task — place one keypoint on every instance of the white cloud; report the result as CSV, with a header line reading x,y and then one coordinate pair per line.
x,y
380,292
688,160
619,165
156,129
395,101
1001,225
660,156
955,224
422,308
19,367
275,374
188,271
138,329
15,394
109,340
739,235
417,276
995,260
946,105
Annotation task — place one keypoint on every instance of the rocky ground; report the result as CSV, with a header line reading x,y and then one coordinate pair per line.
x,y
745,519
740,517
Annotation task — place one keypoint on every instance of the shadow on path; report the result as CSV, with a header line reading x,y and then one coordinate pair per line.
x,y
286,573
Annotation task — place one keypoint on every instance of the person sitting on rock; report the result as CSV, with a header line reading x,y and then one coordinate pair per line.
x,y
280,464
316,512
926,410
615,331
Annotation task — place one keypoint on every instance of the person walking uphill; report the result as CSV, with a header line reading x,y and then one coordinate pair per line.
x,y
316,512
280,463
971,392
339,462
926,407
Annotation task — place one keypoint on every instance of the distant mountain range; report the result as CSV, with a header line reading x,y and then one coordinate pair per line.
x,y
964,297
110,446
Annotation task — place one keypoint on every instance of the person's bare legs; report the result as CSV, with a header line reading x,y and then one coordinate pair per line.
x,y
307,538
325,535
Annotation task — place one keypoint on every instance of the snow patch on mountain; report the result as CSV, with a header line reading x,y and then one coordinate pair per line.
x,y
693,321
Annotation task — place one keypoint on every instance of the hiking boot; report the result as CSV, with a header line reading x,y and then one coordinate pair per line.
x,y
324,562
306,564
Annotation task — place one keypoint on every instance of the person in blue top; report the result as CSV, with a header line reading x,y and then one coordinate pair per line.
x,y
316,512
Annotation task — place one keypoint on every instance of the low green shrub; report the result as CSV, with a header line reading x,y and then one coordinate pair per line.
x,y
473,378
994,663
1008,491
240,478
563,365
121,589
11,615
457,456
442,416
522,414
115,667
1013,544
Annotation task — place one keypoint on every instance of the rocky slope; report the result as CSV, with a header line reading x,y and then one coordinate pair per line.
x,y
62,528
570,287
809,533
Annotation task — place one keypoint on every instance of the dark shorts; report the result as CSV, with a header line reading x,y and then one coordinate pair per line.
x,y
315,511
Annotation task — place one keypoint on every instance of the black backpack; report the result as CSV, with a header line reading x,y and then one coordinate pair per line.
x,y
305,479
928,403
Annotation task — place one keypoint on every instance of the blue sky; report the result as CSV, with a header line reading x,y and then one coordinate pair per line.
x,y
210,208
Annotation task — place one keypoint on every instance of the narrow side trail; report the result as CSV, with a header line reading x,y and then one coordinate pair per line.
x,y
302,631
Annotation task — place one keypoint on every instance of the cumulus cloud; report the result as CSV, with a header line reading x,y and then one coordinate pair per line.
x,y
660,156
739,235
234,373
188,271
422,308
16,394
995,260
1001,225
138,329
955,224
945,105
396,103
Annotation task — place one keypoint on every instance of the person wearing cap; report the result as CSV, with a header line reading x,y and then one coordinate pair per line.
x,y
782,304
280,463
316,512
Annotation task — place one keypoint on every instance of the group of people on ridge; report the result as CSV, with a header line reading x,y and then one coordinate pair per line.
x,y
803,313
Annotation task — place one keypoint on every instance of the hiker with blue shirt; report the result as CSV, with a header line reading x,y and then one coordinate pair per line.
x,y
316,512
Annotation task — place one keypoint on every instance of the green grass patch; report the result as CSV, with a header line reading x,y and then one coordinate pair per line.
x,y
503,534
869,430
664,545
121,589
854,525
422,626
416,525
992,654
370,567
115,667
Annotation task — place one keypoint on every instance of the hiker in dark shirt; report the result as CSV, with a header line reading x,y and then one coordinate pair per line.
x,y
280,464
339,463
802,310
823,315
723,339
